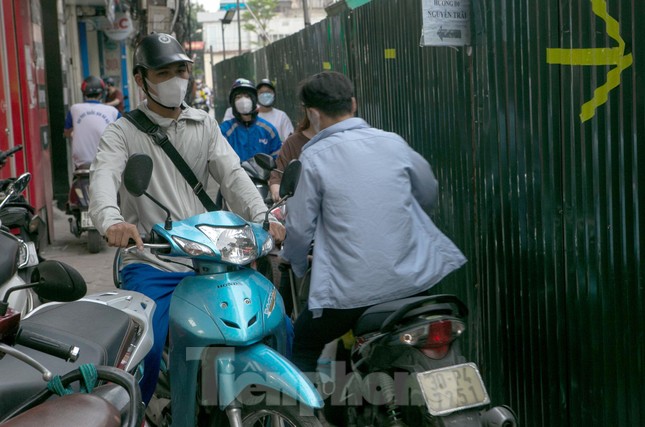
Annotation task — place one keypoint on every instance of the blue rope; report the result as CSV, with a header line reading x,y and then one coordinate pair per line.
x,y
90,377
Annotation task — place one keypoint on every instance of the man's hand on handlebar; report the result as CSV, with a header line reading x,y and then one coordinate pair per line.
x,y
277,231
119,235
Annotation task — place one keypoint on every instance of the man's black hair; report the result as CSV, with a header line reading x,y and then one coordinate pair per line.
x,y
330,92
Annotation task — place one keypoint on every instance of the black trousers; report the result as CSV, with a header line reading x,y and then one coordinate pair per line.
x,y
311,335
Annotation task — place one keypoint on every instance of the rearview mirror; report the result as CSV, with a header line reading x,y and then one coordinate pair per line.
x,y
20,183
56,281
136,176
290,179
265,161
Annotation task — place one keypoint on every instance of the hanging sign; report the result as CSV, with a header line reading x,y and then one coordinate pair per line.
x,y
446,23
121,28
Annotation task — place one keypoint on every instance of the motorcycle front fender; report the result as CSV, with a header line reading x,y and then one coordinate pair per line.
x,y
235,369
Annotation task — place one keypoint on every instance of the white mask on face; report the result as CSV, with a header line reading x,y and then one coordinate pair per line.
x,y
170,93
244,105
266,99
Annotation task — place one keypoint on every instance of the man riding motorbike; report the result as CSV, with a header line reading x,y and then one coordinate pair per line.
x,y
161,70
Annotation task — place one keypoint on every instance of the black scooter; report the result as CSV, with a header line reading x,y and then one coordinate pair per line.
x,y
31,352
16,214
111,331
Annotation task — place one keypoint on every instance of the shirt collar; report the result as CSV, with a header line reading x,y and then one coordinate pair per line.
x,y
348,124
187,113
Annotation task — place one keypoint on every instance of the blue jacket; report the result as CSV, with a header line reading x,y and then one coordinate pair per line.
x,y
363,195
260,137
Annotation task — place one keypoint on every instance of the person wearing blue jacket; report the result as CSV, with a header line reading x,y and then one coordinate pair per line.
x,y
363,196
247,133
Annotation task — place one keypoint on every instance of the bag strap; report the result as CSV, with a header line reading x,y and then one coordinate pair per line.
x,y
145,125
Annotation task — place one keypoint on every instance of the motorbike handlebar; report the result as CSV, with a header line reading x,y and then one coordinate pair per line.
x,y
47,345
5,154
149,246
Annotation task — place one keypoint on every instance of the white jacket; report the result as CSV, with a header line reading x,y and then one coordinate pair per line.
x,y
197,137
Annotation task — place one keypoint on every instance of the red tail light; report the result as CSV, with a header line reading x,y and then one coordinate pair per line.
x,y
15,231
440,335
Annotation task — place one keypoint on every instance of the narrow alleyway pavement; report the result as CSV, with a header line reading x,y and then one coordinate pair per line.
x,y
96,269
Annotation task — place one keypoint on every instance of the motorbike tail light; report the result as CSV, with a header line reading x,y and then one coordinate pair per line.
x,y
441,334
15,231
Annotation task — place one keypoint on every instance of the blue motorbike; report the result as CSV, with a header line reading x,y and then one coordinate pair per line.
x,y
227,333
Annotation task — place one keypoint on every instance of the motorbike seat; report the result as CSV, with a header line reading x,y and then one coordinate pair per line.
x,y
101,332
71,410
373,318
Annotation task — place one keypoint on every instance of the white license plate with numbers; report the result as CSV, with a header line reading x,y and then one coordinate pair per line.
x,y
86,221
453,388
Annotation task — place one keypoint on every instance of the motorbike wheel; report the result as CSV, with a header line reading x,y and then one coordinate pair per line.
x,y
93,241
262,415
257,414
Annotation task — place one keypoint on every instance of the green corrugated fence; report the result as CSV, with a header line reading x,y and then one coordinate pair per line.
x,y
533,131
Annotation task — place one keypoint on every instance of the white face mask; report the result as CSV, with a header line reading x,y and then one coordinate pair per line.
x,y
170,93
244,105
266,99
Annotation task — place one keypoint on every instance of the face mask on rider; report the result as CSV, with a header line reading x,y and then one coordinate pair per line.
x,y
266,99
244,105
170,93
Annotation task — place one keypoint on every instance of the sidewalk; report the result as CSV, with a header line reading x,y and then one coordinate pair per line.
x,y
96,269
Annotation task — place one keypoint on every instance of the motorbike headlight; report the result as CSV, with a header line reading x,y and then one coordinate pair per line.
x,y
236,245
23,258
192,248
267,246
28,257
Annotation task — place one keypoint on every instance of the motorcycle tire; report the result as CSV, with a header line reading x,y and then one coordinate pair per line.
x,y
289,413
94,241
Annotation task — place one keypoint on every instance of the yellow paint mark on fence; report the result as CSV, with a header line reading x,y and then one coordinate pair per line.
x,y
326,65
598,56
390,53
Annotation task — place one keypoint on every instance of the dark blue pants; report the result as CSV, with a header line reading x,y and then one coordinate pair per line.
x,y
311,335
159,286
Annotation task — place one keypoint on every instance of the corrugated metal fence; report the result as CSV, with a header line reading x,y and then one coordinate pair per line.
x,y
542,194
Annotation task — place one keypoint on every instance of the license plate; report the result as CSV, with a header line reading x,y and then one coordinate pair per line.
x,y
451,389
86,221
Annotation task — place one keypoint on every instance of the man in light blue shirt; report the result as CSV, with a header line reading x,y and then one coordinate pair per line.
x,y
363,196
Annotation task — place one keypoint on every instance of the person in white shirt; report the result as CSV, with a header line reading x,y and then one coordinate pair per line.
x,y
266,98
86,121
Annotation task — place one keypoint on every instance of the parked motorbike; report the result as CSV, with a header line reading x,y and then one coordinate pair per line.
x,y
110,329
16,214
78,205
227,332
23,300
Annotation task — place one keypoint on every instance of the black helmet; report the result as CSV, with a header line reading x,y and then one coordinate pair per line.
x,y
242,85
265,82
92,87
109,81
157,50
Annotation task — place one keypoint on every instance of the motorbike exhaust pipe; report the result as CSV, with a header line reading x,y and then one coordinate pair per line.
x,y
499,416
